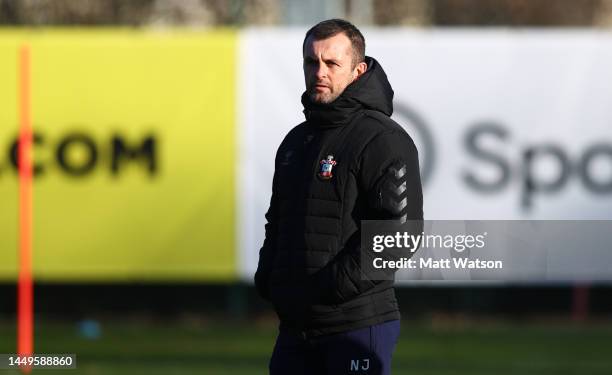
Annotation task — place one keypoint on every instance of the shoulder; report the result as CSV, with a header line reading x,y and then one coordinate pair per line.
x,y
377,130
295,134
387,144
292,139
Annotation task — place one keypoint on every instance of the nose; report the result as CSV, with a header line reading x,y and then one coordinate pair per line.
x,y
321,71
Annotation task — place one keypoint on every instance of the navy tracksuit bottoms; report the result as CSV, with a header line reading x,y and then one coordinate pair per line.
x,y
358,352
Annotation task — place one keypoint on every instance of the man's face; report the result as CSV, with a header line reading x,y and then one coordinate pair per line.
x,y
328,67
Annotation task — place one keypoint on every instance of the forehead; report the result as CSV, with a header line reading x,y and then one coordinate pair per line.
x,y
337,46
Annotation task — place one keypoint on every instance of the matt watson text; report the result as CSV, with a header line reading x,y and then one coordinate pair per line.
x,y
430,263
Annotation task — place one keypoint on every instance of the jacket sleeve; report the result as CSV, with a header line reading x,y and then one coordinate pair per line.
x,y
268,250
389,176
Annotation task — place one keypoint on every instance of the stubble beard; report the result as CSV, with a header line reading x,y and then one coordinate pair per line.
x,y
322,98
325,97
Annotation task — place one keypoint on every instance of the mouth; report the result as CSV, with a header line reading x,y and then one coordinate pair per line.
x,y
319,87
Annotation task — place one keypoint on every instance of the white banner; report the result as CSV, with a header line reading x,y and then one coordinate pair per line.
x,y
509,124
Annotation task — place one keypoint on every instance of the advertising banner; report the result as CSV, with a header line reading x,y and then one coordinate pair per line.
x,y
509,125
154,150
133,152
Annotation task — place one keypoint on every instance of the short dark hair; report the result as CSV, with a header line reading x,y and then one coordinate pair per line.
x,y
328,28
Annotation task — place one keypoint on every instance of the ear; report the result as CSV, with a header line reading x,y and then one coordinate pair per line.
x,y
359,70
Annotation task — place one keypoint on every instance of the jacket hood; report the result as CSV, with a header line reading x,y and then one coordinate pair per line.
x,y
370,91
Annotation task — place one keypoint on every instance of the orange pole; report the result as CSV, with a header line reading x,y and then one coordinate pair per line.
x,y
25,297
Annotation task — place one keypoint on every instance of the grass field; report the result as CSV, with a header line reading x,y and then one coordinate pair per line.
x,y
217,347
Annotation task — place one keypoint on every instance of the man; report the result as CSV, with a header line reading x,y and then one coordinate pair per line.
x,y
346,163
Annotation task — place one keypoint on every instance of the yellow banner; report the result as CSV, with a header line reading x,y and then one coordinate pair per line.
x,y
133,153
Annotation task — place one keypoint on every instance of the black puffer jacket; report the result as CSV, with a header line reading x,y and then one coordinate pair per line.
x,y
310,263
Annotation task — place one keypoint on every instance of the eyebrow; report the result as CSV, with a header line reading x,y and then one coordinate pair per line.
x,y
309,58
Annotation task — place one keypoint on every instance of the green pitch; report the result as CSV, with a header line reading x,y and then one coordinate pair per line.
x,y
219,348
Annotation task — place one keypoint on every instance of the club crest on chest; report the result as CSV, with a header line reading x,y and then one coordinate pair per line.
x,y
325,172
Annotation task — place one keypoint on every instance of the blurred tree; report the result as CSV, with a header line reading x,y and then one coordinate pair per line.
x,y
603,18
562,13
180,12
71,12
515,12
403,12
262,12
